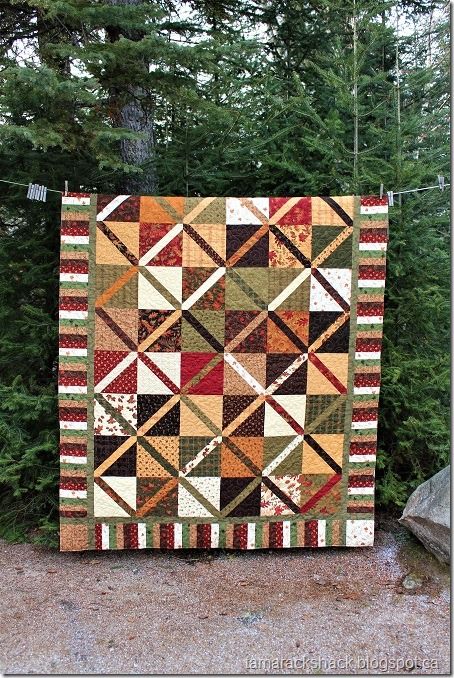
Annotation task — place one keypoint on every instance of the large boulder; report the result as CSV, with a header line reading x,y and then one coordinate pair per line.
x,y
427,514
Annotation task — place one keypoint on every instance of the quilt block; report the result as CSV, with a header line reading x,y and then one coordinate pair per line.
x,y
219,370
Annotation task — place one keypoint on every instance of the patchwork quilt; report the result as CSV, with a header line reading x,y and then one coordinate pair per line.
x,y
219,370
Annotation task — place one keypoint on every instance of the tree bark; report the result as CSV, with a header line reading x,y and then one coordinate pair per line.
x,y
132,108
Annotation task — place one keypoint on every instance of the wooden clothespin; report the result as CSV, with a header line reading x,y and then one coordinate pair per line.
x,y
441,182
381,191
390,195
66,187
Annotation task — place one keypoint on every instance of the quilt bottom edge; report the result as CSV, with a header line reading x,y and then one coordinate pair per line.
x,y
317,533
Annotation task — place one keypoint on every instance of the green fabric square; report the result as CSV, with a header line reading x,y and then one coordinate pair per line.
x,y
126,296
291,464
202,331
280,280
213,213
210,465
322,237
246,289
325,413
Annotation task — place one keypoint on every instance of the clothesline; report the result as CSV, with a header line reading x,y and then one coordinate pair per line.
x,y
38,192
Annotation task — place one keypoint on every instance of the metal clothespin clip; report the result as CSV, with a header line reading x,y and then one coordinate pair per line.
x,y
441,182
381,191
37,192
66,187
390,195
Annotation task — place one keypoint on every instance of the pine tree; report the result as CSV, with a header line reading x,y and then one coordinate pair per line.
x,y
414,421
222,97
78,104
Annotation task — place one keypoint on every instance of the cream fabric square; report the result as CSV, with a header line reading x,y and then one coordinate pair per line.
x,y
156,370
340,279
189,506
275,424
238,210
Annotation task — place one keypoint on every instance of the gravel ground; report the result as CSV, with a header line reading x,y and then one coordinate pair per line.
x,y
298,611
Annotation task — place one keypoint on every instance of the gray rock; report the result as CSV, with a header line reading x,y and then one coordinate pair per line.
x,y
427,514
412,582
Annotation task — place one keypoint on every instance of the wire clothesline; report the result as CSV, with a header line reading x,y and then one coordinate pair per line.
x,y
18,183
38,192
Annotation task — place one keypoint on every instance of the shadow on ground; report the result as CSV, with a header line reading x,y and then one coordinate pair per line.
x,y
298,611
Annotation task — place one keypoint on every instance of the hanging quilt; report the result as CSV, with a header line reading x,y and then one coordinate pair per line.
x,y
219,370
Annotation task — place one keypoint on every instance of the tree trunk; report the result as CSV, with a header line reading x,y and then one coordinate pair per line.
x,y
133,109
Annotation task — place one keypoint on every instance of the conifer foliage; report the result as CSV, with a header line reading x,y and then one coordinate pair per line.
x,y
214,97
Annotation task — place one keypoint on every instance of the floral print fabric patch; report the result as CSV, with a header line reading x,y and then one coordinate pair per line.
x,y
219,370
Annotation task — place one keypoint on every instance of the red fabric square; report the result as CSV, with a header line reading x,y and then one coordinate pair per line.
x,y
300,213
150,235
212,383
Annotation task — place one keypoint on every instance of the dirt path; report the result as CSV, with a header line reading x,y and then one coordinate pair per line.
x,y
308,611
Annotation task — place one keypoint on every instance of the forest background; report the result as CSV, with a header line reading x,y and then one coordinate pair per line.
x,y
223,97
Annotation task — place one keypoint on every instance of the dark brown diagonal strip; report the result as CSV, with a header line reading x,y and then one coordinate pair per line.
x,y
280,495
116,329
285,329
292,248
203,244
338,209
115,240
322,453
330,289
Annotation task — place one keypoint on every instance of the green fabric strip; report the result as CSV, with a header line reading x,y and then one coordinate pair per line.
x,y
351,358
90,358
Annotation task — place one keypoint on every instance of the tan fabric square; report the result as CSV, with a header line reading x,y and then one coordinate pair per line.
x,y
281,253
332,444
212,239
109,249
255,366
73,537
148,466
324,215
199,415
113,327
334,380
